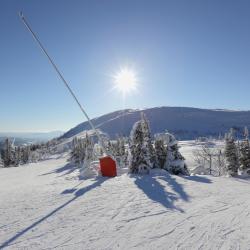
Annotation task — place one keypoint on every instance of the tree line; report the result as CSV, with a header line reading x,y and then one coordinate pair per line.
x,y
14,156
231,159
139,153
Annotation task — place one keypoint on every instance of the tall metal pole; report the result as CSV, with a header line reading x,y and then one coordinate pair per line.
x,y
63,79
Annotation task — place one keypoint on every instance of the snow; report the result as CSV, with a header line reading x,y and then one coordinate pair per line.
x,y
45,206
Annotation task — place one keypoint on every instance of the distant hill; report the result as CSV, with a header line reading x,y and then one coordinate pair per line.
x,y
185,123
28,138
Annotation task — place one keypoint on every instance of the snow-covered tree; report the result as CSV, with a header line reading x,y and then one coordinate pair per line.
x,y
244,153
122,152
203,157
246,133
110,147
175,162
148,145
97,151
244,157
87,169
232,161
160,153
17,156
8,154
220,162
119,152
1,161
82,149
209,160
25,154
141,148
89,147
78,151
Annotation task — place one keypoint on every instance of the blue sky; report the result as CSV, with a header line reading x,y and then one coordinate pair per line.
x,y
185,53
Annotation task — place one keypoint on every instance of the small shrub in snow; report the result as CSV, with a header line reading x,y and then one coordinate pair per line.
x,y
209,160
89,170
200,170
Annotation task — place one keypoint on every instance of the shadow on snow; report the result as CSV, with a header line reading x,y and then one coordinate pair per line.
x,y
157,192
148,184
197,178
63,170
78,193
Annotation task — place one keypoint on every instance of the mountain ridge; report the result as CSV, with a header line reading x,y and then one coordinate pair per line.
x,y
184,122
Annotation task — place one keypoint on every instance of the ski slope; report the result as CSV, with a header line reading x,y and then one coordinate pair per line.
x,y
45,206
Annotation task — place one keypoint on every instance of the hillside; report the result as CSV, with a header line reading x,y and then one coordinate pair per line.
x,y
185,123
45,206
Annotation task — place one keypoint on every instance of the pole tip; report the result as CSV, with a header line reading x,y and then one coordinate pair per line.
x,y
21,14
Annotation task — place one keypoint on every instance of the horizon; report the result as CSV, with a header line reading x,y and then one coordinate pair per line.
x,y
30,132
180,54
145,108
134,109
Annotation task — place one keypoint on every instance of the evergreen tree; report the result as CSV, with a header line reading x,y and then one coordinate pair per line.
x,y
244,158
1,161
89,147
7,154
232,161
110,147
87,170
244,154
17,156
160,153
82,149
148,145
141,149
246,133
123,153
175,162
119,151
135,145
25,154
77,152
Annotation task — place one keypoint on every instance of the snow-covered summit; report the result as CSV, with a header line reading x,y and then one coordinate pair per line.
x,y
184,122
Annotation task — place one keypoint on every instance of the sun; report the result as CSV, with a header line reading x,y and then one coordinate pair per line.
x,y
125,80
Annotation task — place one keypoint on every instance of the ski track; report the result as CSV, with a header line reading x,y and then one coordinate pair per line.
x,y
42,207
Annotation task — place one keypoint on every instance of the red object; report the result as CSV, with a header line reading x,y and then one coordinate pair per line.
x,y
108,166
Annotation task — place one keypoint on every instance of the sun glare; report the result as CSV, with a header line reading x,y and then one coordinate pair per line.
x,y
125,80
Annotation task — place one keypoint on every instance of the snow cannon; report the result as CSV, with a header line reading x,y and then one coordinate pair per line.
x,y
108,166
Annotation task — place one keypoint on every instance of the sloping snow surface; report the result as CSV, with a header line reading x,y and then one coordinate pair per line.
x,y
46,206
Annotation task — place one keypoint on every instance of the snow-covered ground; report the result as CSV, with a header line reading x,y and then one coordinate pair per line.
x,y
45,206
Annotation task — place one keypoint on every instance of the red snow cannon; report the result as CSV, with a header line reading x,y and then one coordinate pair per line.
x,y
108,166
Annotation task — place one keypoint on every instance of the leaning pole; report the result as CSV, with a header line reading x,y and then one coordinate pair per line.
x,y
27,25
